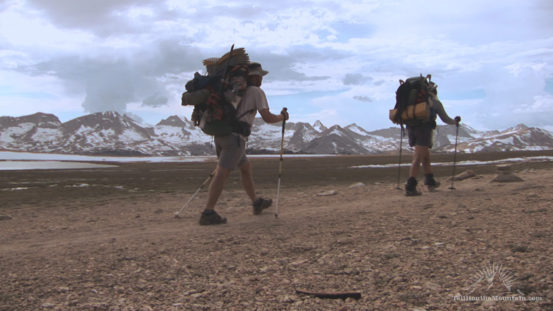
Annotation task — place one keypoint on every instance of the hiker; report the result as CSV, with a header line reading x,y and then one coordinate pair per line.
x,y
231,149
421,138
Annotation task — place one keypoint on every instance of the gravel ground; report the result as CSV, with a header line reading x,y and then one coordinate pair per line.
x,y
109,250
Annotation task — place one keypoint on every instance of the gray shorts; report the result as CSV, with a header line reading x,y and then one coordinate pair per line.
x,y
231,151
420,136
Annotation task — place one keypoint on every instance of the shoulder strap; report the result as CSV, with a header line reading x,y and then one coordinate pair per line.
x,y
246,112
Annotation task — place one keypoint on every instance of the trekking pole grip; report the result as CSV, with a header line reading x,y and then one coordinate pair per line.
x,y
284,110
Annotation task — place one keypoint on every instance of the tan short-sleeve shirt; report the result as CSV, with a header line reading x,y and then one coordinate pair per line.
x,y
254,98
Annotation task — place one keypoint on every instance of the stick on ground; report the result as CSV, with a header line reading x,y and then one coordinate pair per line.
x,y
330,295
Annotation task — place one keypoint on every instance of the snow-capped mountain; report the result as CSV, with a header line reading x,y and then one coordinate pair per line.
x,y
116,134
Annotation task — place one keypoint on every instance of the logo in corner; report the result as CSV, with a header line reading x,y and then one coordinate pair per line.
x,y
493,279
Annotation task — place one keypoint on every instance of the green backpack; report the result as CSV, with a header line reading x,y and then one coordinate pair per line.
x,y
213,113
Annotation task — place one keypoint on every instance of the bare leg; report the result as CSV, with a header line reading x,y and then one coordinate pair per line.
x,y
420,156
216,187
415,164
426,167
247,180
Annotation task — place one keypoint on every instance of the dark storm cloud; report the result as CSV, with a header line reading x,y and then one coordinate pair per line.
x,y
110,83
107,17
99,16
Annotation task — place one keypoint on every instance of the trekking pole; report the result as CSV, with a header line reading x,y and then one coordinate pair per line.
x,y
280,163
399,159
454,157
206,181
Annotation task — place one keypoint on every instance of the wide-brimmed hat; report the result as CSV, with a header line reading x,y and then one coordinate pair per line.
x,y
256,70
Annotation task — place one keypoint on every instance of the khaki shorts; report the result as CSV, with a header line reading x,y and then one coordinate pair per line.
x,y
231,151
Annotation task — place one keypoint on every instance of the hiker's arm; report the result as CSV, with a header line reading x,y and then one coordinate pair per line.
x,y
268,117
440,111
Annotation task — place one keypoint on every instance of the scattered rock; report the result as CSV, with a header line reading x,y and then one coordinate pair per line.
x,y
357,185
432,286
507,178
463,175
63,289
5,217
286,299
519,249
505,174
327,193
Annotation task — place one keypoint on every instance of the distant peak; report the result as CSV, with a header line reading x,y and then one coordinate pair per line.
x,y
318,125
113,114
335,127
521,126
39,117
174,120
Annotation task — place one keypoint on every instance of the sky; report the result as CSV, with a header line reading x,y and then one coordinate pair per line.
x,y
334,61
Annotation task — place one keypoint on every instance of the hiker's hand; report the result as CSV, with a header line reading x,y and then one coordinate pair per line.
x,y
457,120
284,114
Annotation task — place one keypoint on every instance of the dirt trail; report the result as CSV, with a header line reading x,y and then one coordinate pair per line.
x,y
400,253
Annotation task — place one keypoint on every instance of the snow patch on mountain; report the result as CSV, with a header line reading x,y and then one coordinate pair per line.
x,y
112,133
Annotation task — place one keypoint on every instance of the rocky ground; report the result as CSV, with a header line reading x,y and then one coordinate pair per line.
x,y
126,251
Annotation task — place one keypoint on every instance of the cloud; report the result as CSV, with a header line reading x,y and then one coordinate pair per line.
x,y
363,98
355,79
155,100
342,59
112,82
102,17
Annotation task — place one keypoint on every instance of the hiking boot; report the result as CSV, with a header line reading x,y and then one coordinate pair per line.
x,y
260,204
210,217
411,187
430,182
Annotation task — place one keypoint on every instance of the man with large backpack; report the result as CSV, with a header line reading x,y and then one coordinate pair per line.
x,y
231,149
417,106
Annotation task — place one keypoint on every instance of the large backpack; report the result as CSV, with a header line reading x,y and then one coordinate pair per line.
x,y
413,106
213,113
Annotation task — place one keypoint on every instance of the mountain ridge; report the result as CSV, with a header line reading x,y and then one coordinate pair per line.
x,y
112,133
